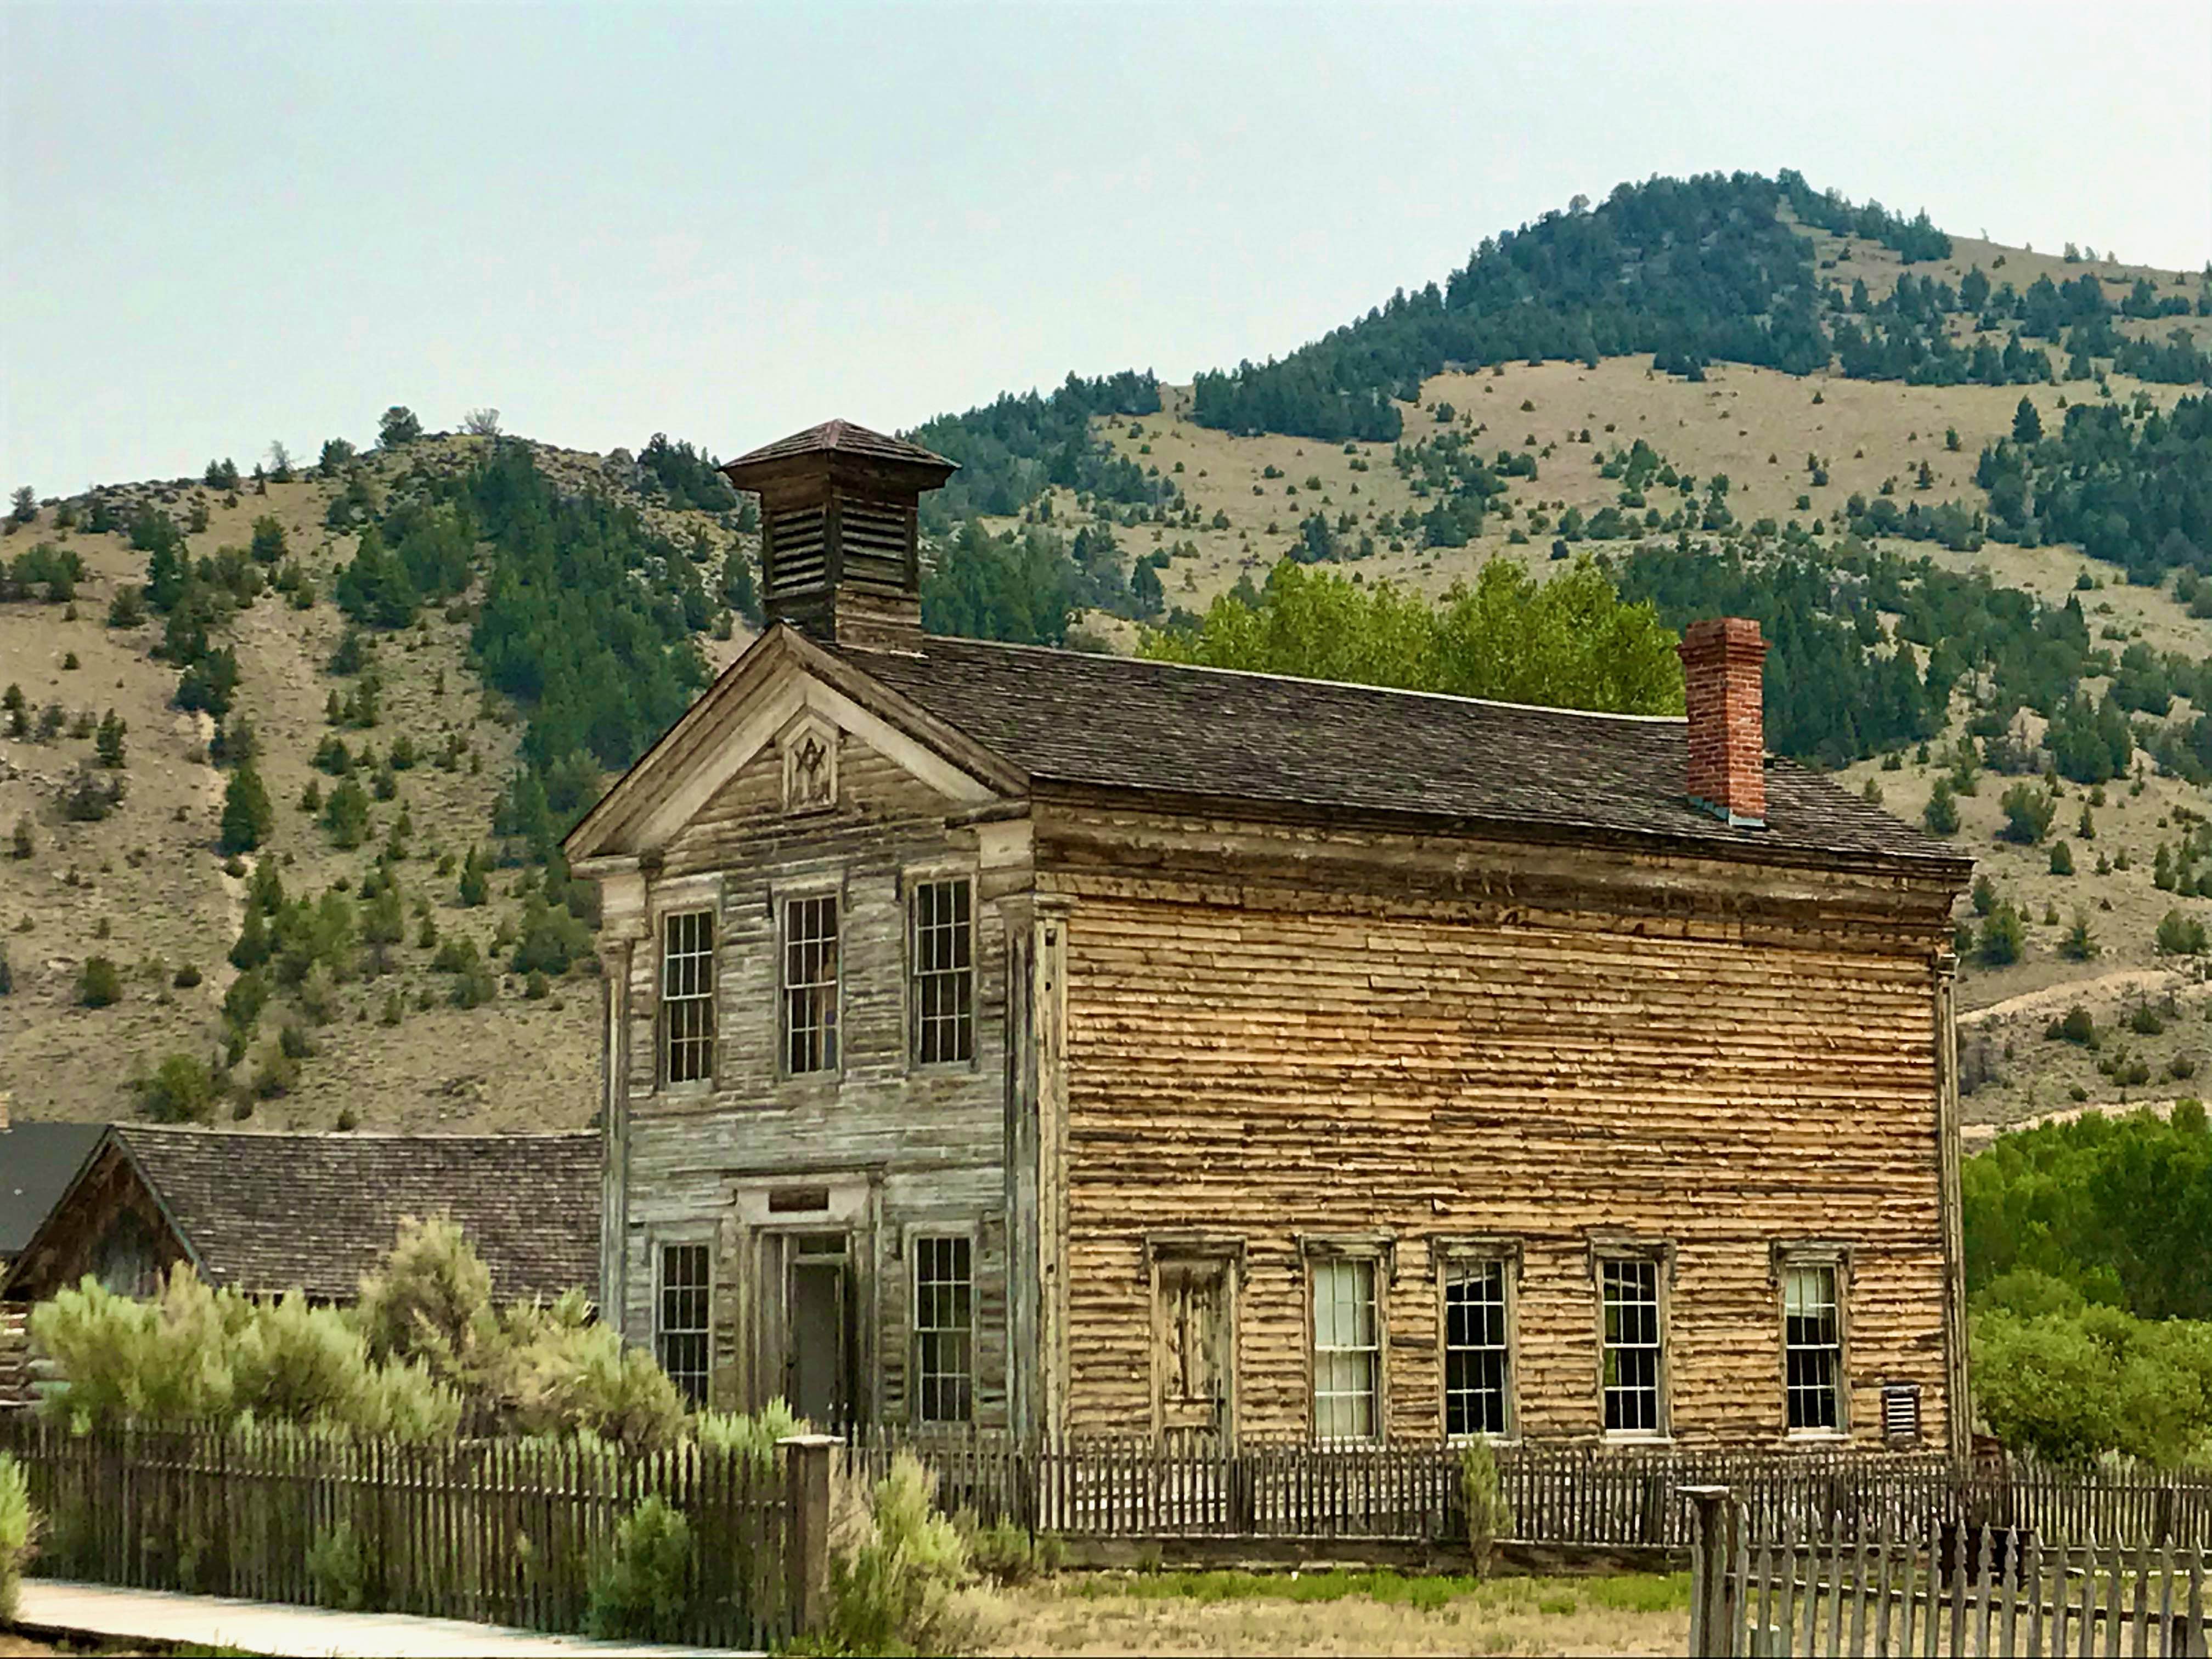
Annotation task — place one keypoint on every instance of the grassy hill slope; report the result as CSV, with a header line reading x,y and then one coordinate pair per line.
x,y
388,1042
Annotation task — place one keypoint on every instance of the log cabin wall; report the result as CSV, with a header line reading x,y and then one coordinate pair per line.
x,y
1285,1038
761,1165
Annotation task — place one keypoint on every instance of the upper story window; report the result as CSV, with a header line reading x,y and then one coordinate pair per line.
x,y
687,997
1477,1371
1813,1348
941,957
810,985
1628,1289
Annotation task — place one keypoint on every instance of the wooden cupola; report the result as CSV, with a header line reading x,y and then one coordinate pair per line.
x,y
840,558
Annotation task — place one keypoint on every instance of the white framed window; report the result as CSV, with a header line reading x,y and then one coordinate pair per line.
x,y
1813,1348
941,964
943,1327
810,984
1347,1356
1634,1355
680,1318
1478,1353
687,997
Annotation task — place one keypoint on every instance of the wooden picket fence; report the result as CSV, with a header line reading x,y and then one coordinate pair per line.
x,y
1602,1498
508,1531
1953,1590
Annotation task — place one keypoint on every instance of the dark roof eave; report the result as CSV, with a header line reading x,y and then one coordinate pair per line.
x,y
1948,867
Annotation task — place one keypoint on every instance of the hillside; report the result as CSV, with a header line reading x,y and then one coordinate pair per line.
x,y
1923,569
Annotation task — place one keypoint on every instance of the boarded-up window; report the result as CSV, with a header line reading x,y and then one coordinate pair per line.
x,y
680,1323
687,997
1477,1370
943,1329
942,953
1812,1346
810,985
1629,1288
1193,1345
1347,1349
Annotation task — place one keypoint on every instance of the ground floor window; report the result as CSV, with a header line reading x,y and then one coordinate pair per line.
x,y
1629,1291
1348,1362
1812,1347
680,1321
943,1329
1476,1369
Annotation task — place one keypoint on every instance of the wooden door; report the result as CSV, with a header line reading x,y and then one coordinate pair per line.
x,y
1194,1352
817,1358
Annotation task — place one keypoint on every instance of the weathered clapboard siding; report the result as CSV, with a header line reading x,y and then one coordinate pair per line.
x,y
923,1147
1324,1030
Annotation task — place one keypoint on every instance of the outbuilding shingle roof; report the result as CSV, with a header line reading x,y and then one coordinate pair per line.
x,y
38,1161
1118,723
270,1212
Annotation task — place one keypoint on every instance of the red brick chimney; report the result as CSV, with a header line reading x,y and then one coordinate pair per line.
x,y
1722,690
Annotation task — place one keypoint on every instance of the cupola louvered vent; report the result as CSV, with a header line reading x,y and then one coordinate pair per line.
x,y
876,537
797,553
839,506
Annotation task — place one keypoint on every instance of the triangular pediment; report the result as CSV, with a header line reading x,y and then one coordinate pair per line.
x,y
789,699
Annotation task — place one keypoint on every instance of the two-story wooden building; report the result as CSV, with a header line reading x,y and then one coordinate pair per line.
x,y
1084,1045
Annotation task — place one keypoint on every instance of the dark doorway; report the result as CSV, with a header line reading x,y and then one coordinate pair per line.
x,y
817,1355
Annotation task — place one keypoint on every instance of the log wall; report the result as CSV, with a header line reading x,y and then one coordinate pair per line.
x,y
1279,1034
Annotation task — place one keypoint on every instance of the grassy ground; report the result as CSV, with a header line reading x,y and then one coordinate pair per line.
x,y
1344,1613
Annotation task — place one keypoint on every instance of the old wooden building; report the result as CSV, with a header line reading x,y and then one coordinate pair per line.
x,y
267,1214
1022,1038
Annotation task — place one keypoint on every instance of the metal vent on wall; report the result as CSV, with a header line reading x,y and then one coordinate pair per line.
x,y
798,556
1900,1410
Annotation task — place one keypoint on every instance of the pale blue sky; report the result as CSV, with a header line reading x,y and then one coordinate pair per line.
x,y
225,224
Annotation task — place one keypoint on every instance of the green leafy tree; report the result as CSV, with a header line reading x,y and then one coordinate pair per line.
x,y
2062,859
2026,424
1569,642
2003,939
2180,934
2028,813
99,983
107,743
247,817
475,888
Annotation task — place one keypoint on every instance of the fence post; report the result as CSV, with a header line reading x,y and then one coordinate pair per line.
x,y
806,1472
1713,1591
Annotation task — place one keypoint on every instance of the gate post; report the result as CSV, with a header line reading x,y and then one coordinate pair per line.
x,y
807,1474
1715,1619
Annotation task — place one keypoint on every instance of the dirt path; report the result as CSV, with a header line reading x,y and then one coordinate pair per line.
x,y
2056,999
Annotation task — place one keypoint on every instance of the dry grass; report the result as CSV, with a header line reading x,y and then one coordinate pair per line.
x,y
1344,1613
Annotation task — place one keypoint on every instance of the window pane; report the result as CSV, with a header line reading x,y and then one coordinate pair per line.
x,y
1347,1356
1475,1348
1812,1344
943,1319
687,997
942,953
1629,1290
681,1329
810,985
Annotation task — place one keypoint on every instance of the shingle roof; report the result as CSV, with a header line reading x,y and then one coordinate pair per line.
x,y
1119,723
843,438
38,1161
272,1212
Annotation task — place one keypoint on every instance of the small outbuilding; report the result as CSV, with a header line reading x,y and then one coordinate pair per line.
x,y
268,1213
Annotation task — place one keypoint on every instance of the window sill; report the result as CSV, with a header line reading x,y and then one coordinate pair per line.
x,y
1816,1437
1636,1438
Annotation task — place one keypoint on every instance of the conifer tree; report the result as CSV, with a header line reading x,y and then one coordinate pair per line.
x,y
247,818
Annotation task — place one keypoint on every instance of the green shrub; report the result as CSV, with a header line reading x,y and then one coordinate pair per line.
x,y
1007,1553
2180,934
336,1570
181,1090
1489,1517
643,1594
2077,1026
904,1589
19,1532
753,1438
98,984
566,1376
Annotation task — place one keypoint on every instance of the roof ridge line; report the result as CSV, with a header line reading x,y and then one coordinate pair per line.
x,y
1305,679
